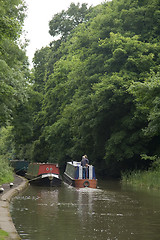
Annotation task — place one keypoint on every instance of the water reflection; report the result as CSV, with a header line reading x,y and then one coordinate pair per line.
x,y
110,212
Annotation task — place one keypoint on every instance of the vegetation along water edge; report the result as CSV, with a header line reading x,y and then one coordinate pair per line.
x,y
147,179
6,172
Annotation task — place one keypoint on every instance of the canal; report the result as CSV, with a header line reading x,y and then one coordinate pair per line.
x,y
111,212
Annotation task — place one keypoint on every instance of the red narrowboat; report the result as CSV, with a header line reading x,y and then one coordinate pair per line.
x,y
73,175
44,174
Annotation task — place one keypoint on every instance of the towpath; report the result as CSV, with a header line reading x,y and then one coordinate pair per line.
x,y
6,223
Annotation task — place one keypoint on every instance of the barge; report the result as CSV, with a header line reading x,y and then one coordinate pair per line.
x,y
44,174
73,175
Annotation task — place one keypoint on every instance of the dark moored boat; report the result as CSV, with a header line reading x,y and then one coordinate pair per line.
x,y
20,166
44,174
73,175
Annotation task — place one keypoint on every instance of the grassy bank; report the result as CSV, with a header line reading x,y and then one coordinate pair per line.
x,y
147,179
3,235
6,173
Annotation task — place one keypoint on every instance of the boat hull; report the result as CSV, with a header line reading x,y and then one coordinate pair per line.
x,y
44,181
80,183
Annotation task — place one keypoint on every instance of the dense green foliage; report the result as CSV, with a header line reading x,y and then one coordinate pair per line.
x,y
6,172
13,62
6,146
89,86
63,23
95,90
14,75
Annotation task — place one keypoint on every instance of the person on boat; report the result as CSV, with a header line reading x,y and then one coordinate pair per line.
x,y
84,164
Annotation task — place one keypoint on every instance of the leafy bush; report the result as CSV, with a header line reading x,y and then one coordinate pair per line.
x,y
6,173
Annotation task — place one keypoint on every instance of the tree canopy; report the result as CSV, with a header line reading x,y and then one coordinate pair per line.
x,y
14,80
13,60
95,90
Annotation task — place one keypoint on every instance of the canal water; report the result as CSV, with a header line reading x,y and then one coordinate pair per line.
x,y
111,212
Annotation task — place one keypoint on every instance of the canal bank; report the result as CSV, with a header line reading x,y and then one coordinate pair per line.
x,y
6,223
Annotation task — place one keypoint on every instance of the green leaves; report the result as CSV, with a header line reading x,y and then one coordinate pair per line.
x,y
148,102
63,23
14,79
96,87
11,18
13,62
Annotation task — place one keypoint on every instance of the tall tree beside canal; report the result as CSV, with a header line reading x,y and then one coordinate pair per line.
x,y
13,70
88,86
12,58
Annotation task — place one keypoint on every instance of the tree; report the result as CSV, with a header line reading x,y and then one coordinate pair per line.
x,y
88,105
147,102
13,61
14,78
64,22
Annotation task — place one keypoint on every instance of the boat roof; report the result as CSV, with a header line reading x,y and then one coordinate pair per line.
x,y
74,163
38,163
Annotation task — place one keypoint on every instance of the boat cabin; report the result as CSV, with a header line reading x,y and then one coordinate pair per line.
x,y
75,170
37,169
44,174
74,175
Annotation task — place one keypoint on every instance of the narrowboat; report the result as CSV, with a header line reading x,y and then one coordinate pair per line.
x,y
20,166
73,175
44,174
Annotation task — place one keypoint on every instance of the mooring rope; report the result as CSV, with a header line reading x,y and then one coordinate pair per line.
x,y
20,170
35,179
